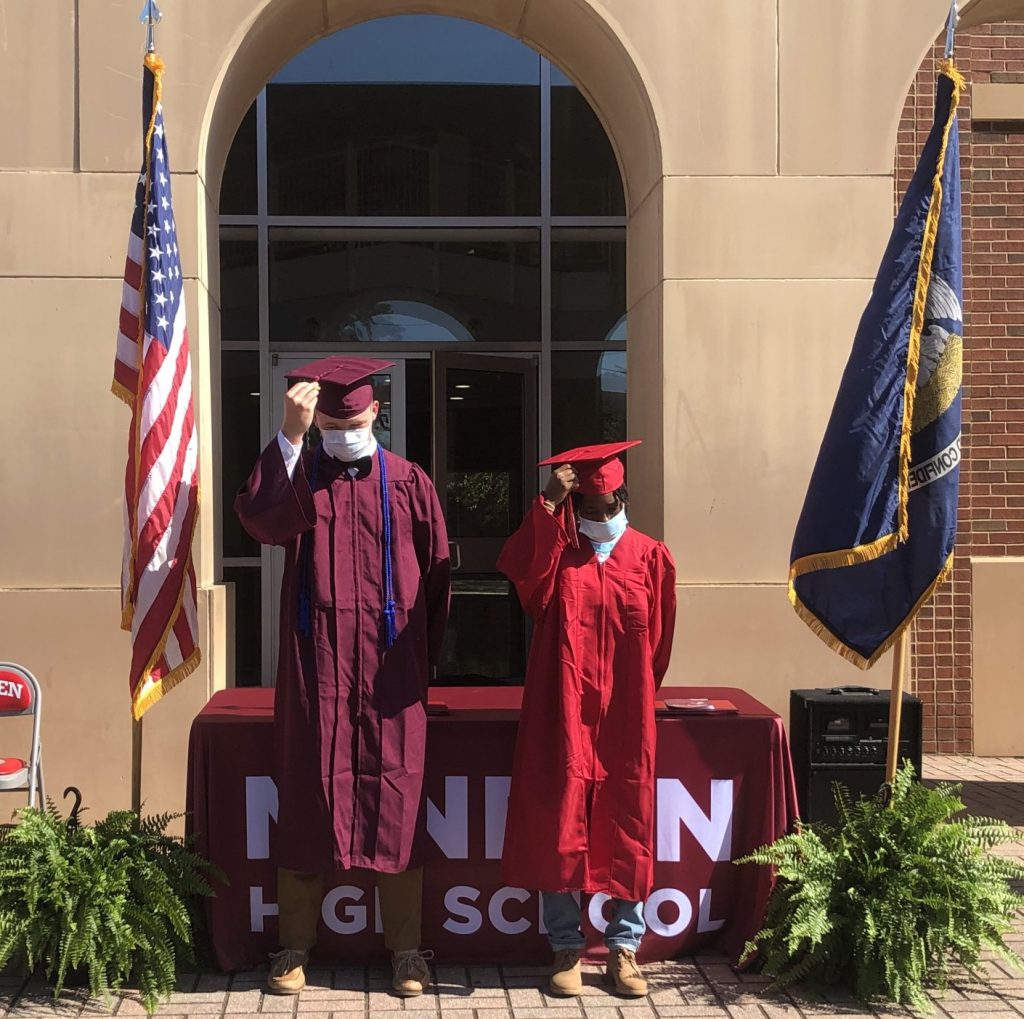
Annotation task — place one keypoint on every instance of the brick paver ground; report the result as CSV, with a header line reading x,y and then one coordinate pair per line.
x,y
695,988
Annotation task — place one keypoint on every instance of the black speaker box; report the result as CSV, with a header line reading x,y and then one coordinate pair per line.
x,y
841,734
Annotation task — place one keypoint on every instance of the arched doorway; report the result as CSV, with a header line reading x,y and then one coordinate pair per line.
x,y
435,192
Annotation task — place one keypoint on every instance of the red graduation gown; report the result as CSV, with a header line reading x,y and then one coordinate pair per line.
x,y
581,806
350,718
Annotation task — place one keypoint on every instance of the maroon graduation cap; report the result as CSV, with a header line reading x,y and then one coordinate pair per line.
x,y
345,383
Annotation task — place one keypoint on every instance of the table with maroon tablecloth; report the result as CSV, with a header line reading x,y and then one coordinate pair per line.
x,y
724,786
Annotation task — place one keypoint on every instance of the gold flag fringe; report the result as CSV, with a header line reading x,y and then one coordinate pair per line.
x,y
889,542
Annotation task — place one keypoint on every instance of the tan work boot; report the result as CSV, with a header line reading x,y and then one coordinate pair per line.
x,y
412,974
567,974
287,971
624,973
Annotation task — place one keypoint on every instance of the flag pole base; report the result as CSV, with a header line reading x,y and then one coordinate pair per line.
x,y
137,766
899,663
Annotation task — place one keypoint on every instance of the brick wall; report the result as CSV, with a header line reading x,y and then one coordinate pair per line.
x,y
991,512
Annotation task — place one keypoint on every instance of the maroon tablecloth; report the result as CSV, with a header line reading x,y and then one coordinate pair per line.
x,y
725,786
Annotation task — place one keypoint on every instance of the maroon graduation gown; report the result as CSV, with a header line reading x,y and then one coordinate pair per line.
x,y
581,806
350,717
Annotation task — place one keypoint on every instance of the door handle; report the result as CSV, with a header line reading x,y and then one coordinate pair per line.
x,y
457,556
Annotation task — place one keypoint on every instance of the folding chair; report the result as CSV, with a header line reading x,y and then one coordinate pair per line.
x,y
20,694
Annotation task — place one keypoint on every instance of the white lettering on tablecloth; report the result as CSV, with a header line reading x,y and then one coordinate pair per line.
x,y
352,919
259,910
260,810
450,828
652,912
465,918
496,789
678,809
669,912
496,911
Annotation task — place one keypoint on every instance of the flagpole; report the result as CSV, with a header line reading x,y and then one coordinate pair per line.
x,y
899,663
137,765
149,17
951,28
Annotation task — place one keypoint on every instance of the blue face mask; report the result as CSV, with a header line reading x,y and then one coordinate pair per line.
x,y
603,534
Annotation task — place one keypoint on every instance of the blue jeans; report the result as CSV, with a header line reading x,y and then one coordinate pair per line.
x,y
562,919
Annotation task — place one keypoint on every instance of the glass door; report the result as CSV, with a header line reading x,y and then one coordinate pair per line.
x,y
485,447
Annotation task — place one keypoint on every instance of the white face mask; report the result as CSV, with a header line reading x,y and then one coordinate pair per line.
x,y
603,531
348,443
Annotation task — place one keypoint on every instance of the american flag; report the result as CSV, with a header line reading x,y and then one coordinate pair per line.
x,y
153,375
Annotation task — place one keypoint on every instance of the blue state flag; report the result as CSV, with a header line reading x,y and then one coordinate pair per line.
x,y
878,525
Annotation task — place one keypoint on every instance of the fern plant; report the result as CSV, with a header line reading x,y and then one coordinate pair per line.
x,y
888,901
111,901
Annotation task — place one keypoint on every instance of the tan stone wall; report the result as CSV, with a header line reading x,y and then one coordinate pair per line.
x,y
997,584
756,143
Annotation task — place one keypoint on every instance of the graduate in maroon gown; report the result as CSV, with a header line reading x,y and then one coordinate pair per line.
x,y
364,604
581,805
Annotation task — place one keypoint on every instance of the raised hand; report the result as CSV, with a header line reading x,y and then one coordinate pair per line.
x,y
299,404
562,481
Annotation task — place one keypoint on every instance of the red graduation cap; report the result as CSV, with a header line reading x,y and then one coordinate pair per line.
x,y
598,468
345,386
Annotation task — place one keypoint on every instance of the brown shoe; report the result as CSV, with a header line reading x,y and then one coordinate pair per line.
x,y
287,971
624,973
567,974
412,974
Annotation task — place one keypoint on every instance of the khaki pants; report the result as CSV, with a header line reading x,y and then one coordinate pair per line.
x,y
299,897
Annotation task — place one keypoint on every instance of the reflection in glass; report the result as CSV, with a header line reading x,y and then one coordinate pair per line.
x,y
248,624
239,286
484,640
591,397
419,414
424,48
588,284
478,502
482,495
324,291
382,393
585,178
618,331
238,185
240,442
485,452
403,318
404,149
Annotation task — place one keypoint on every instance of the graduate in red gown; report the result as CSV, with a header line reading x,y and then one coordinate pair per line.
x,y
581,806
364,604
